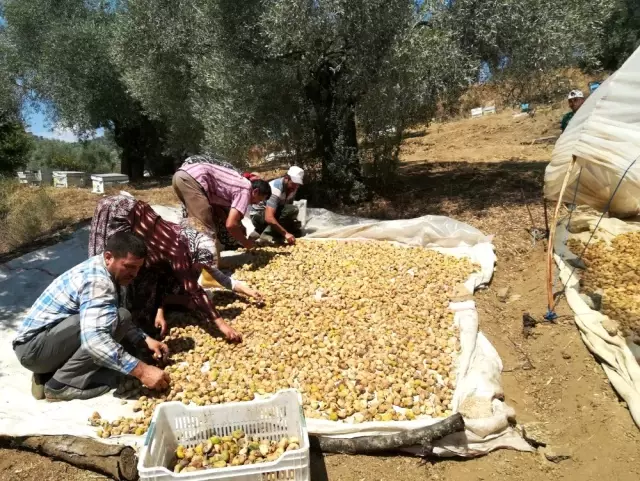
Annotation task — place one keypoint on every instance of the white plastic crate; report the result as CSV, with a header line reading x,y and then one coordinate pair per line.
x,y
173,423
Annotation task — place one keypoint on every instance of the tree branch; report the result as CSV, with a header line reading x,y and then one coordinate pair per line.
x,y
376,444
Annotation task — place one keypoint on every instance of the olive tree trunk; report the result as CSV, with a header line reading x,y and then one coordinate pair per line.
x,y
336,134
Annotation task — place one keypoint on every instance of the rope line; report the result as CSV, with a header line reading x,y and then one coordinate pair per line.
x,y
575,195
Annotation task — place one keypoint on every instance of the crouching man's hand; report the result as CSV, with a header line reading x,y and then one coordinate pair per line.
x,y
151,376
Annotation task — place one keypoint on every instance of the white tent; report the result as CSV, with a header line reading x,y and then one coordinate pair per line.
x,y
604,136
604,139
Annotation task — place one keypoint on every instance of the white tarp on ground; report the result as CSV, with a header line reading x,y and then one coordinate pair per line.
x,y
619,360
478,393
604,135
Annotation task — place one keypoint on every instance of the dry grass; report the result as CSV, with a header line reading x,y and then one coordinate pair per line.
x,y
493,138
481,171
29,214
24,214
493,197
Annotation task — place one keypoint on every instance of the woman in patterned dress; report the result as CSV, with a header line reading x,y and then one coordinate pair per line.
x,y
177,254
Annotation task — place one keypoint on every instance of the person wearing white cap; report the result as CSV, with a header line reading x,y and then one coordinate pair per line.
x,y
576,99
277,215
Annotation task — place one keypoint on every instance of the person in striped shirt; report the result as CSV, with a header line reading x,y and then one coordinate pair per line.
x,y
70,338
211,192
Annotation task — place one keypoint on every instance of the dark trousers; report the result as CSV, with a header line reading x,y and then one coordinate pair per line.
x,y
58,351
286,216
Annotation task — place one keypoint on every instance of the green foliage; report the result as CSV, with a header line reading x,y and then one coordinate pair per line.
x,y
9,94
428,68
92,156
622,33
15,145
63,50
523,41
307,76
63,61
335,82
14,141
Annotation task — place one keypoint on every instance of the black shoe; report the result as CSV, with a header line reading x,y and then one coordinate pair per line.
x,y
68,393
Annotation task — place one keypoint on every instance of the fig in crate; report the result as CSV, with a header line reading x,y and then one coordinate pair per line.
x,y
234,450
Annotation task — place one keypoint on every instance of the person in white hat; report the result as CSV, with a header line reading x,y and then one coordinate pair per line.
x,y
277,216
575,99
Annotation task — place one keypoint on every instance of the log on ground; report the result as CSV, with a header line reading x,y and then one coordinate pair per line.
x,y
119,462
390,442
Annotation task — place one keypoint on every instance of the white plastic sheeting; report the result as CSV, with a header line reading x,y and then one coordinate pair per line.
x,y
619,362
604,135
478,393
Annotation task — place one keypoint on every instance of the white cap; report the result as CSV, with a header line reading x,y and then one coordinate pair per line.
x,y
575,94
296,174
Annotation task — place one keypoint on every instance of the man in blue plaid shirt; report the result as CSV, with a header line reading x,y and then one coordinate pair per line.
x,y
70,338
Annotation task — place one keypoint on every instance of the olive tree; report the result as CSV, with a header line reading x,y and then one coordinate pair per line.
x,y
524,40
621,33
308,75
9,87
335,82
63,63
14,141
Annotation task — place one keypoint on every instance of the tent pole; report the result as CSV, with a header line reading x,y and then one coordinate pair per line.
x,y
552,235
546,217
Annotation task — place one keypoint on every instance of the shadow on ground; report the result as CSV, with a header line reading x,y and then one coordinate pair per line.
x,y
152,183
454,188
318,467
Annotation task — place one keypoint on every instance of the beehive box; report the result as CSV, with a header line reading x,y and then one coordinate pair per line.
x,y
28,177
69,178
36,177
102,181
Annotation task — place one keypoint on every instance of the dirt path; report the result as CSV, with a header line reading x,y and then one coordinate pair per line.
x,y
549,377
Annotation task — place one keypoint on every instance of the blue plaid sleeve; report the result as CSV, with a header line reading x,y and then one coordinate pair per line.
x,y
98,321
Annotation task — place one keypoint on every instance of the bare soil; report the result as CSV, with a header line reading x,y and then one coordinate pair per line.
x,y
478,171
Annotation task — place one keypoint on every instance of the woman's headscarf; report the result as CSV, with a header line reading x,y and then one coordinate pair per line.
x,y
202,245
